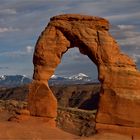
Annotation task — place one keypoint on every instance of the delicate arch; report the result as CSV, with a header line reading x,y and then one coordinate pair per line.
x,y
117,72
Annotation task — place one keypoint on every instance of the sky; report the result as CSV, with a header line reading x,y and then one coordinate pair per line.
x,y
21,22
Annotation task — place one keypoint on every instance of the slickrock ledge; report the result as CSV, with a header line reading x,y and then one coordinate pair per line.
x,y
120,80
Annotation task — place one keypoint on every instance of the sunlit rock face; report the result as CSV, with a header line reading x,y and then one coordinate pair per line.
x,y
120,80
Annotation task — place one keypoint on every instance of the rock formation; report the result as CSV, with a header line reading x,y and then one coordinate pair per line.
x,y
120,90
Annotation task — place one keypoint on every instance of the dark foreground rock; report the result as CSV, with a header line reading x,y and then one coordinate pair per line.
x,y
76,121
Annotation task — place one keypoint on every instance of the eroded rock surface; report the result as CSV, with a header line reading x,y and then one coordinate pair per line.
x,y
120,90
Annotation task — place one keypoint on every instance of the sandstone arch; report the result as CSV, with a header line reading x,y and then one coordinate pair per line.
x,y
120,93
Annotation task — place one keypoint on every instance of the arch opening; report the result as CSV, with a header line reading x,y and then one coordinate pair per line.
x,y
73,62
75,83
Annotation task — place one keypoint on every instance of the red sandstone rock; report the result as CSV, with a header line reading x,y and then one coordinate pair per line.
x,y
120,98
131,131
41,100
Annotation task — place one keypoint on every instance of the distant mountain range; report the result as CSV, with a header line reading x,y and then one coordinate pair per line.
x,y
18,80
13,80
74,79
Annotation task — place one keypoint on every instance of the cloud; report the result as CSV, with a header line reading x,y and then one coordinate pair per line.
x,y
8,11
136,57
3,67
13,53
18,53
126,27
29,49
127,35
3,30
9,29
131,38
125,16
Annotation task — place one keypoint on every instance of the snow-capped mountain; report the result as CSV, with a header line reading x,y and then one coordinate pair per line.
x,y
18,80
55,77
80,76
13,80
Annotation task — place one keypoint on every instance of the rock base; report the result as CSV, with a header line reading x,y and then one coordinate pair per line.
x,y
129,131
50,122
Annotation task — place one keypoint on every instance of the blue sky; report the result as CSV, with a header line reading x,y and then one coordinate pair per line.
x,y
21,22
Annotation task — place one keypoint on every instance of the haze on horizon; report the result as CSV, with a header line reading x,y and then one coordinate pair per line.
x,y
21,23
